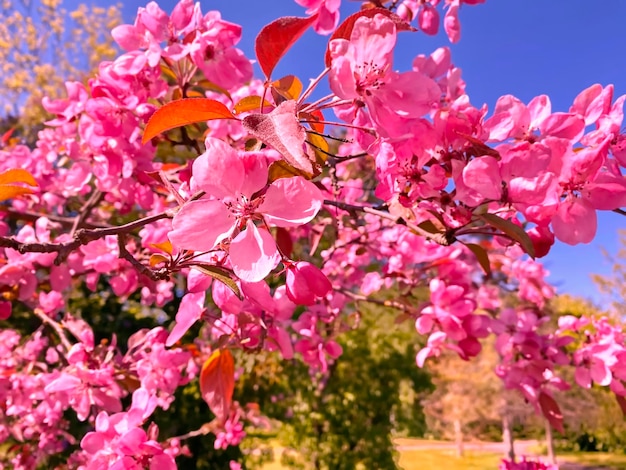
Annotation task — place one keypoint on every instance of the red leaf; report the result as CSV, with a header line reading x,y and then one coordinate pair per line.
x,y
281,130
276,39
344,30
182,112
284,241
6,136
551,411
217,382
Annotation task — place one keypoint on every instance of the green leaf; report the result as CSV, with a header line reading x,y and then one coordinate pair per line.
x,y
507,227
220,274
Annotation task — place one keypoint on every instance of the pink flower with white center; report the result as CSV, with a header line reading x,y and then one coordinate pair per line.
x,y
236,196
361,70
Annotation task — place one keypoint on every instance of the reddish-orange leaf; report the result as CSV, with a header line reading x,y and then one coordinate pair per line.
x,y
217,382
313,117
183,112
17,175
344,30
6,136
9,190
165,246
157,258
276,38
551,411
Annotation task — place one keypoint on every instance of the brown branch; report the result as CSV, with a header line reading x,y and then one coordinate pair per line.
x,y
139,267
81,237
619,211
34,216
439,238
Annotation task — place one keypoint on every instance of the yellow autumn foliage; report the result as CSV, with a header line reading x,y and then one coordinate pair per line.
x,y
42,45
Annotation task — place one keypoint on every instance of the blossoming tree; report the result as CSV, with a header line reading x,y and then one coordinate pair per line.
x,y
271,213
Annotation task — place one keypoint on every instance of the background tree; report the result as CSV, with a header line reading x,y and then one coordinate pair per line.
x,y
42,45
613,286
346,417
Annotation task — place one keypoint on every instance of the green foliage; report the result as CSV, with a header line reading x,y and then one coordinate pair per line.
x,y
345,419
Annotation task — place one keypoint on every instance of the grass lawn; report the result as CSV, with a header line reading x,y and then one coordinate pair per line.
x,y
596,459
446,459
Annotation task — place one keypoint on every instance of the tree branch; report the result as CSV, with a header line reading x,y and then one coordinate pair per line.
x,y
440,238
81,237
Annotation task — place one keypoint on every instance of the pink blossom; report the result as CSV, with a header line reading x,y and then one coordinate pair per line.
x,y
361,70
327,12
237,194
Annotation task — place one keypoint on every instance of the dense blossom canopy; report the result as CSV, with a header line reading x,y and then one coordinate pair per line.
x,y
271,214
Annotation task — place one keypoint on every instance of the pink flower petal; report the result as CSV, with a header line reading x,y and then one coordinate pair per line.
x,y
218,171
92,442
202,224
253,254
483,176
189,312
575,222
290,202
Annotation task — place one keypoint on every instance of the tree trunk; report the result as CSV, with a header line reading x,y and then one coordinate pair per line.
x,y
507,438
550,443
458,437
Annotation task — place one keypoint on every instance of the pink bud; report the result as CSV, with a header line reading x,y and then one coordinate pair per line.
x,y
305,282
542,239
428,20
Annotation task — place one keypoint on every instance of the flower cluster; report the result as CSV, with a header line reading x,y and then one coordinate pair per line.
x,y
268,222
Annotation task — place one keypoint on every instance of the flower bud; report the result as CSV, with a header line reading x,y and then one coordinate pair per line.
x,y
305,282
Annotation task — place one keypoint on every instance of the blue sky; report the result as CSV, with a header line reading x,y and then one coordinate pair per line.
x,y
519,47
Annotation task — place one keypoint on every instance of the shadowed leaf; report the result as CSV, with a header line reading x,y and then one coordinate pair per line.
x,y
507,227
221,274
481,256
551,411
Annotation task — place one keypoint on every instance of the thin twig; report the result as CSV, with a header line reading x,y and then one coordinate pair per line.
x,y
439,238
34,216
203,430
384,303
55,326
85,211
